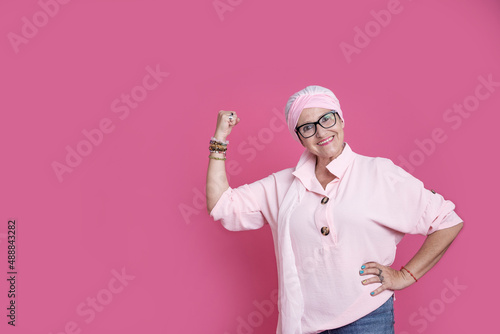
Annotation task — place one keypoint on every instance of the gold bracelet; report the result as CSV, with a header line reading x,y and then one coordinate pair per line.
x,y
216,158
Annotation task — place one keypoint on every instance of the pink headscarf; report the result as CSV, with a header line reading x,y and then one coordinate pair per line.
x,y
309,97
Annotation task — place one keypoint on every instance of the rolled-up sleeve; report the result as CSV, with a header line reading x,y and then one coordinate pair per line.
x,y
411,207
248,207
437,215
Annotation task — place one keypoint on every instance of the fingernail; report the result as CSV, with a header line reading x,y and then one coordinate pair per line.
x,y
361,271
372,293
363,282
363,266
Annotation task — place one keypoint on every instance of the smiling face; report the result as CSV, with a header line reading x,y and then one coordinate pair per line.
x,y
326,144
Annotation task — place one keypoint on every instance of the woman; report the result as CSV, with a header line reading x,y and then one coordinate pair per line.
x,y
336,219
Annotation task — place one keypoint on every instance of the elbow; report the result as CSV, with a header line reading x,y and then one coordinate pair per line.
x,y
210,204
209,209
457,228
212,201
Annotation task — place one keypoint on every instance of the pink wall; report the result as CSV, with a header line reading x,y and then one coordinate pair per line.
x,y
117,239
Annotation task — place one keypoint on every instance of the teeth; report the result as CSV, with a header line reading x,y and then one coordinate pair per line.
x,y
326,140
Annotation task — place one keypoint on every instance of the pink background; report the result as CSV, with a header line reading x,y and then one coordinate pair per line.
x,y
135,202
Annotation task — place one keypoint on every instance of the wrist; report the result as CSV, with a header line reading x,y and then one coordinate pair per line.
x,y
407,275
220,137
405,280
217,149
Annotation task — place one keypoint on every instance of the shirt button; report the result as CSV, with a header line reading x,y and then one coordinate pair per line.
x,y
324,200
325,230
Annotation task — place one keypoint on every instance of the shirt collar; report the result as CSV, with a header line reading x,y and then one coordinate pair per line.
x,y
305,169
339,165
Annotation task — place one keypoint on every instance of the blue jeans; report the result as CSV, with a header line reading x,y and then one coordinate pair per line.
x,y
380,321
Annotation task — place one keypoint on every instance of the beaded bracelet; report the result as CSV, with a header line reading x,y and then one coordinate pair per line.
x,y
216,158
215,147
219,141
402,267
217,144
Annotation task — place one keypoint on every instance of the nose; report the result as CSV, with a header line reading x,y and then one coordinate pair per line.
x,y
320,131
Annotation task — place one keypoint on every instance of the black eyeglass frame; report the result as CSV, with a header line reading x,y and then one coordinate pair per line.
x,y
334,112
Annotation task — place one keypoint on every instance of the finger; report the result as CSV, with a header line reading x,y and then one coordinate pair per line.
x,y
370,265
232,117
370,280
370,271
377,291
224,113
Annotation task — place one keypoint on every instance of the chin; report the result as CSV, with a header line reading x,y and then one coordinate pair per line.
x,y
328,154
331,152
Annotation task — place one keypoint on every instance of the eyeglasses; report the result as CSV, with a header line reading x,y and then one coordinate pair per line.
x,y
309,129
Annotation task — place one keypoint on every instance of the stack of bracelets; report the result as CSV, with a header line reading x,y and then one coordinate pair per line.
x,y
217,146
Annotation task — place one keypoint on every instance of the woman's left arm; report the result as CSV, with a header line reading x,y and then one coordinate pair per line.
x,y
433,248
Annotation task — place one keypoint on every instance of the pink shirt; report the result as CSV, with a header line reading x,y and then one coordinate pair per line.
x,y
323,236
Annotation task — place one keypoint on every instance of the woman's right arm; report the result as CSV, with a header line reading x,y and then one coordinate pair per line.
x,y
216,173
